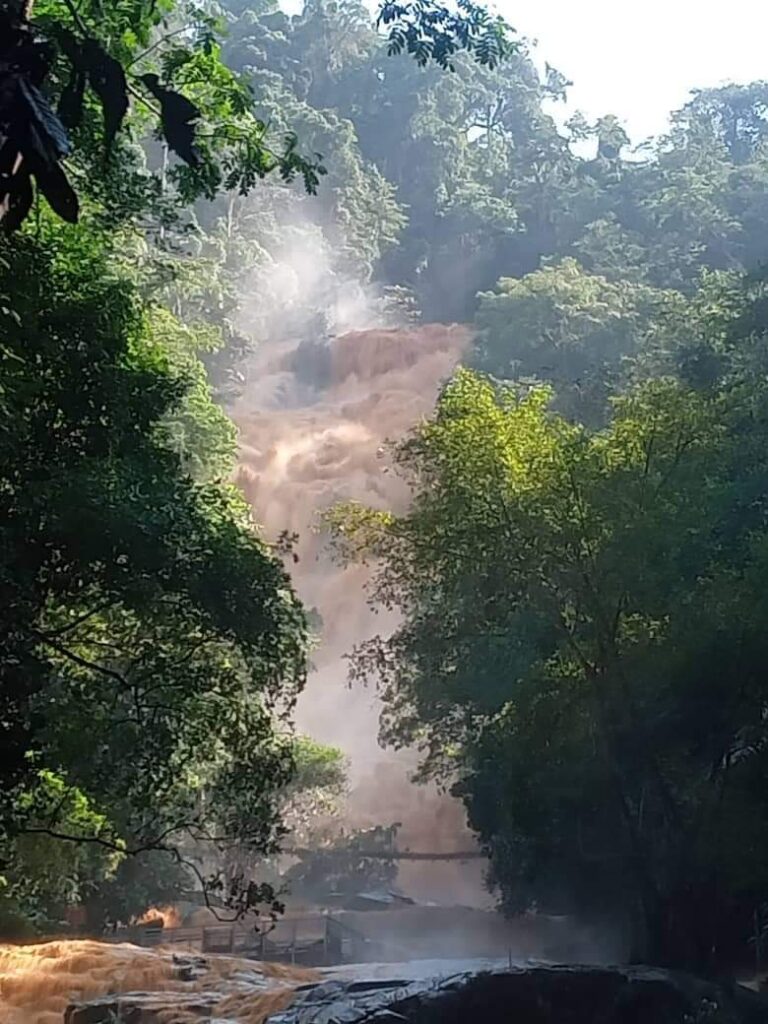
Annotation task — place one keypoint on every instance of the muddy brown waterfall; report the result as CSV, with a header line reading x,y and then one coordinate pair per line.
x,y
313,424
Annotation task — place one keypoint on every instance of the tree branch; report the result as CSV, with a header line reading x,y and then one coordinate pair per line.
x,y
156,45
76,17
79,660
81,619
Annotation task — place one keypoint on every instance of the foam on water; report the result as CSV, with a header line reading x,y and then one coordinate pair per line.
x,y
302,449
38,982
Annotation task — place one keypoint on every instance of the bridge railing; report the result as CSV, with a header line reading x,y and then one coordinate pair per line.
x,y
298,940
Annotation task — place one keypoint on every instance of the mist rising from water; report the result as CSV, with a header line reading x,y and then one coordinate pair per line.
x,y
313,420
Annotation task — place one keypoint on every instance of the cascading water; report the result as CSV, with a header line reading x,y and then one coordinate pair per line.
x,y
313,425
39,982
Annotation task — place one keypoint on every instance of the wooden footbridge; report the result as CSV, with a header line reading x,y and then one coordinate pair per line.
x,y
311,940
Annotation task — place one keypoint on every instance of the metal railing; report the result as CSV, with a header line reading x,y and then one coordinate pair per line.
x,y
302,940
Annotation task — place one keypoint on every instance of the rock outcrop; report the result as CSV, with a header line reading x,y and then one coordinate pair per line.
x,y
144,1008
530,994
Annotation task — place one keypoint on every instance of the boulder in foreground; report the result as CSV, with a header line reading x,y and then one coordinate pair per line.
x,y
532,994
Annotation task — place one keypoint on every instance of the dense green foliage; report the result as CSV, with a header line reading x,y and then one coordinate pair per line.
x,y
499,193
580,576
586,334
151,645
583,648
140,609
581,572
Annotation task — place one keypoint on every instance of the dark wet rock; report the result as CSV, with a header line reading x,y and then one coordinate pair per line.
x,y
143,1008
509,994
189,968
544,994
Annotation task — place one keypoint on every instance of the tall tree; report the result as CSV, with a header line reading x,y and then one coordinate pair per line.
x,y
582,647
583,333
140,607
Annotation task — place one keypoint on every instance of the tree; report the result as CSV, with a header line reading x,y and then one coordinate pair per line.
x,y
140,884
140,608
345,864
42,878
312,796
478,136
581,332
72,46
582,648
309,806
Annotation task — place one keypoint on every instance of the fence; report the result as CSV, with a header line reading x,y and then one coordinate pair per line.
x,y
303,940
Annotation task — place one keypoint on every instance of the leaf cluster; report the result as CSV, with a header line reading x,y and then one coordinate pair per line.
x,y
430,31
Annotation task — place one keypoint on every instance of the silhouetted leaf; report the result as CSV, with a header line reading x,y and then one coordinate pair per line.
x,y
53,183
71,100
107,79
47,130
19,202
177,115
35,58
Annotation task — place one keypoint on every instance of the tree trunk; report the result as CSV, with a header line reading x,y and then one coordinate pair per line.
x,y
678,932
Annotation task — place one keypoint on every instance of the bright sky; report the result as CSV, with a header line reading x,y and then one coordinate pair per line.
x,y
639,60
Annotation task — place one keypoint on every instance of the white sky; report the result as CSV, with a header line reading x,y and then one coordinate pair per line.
x,y
639,60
